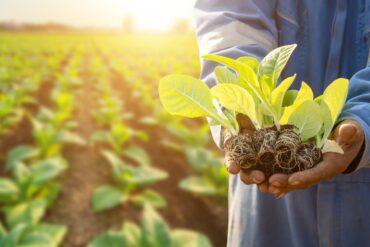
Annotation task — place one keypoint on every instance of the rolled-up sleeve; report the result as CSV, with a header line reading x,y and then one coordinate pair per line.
x,y
233,28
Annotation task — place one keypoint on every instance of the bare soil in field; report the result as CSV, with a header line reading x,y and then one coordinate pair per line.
x,y
88,170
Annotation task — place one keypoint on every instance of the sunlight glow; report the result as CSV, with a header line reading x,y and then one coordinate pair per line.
x,y
147,14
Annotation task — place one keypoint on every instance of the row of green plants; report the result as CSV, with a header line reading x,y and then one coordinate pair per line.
x,y
210,178
19,80
132,173
31,185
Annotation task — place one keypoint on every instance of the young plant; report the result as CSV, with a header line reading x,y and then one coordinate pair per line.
x,y
128,182
291,128
153,231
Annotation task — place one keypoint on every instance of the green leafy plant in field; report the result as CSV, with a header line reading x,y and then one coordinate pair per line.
x,y
153,232
131,184
25,197
253,90
211,178
35,234
117,136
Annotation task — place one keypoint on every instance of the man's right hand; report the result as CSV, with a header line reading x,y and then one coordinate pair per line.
x,y
248,176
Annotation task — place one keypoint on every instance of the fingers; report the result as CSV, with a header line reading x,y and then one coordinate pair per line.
x,y
279,180
231,167
252,176
331,165
263,187
345,133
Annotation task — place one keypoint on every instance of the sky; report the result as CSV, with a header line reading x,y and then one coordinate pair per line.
x,y
147,14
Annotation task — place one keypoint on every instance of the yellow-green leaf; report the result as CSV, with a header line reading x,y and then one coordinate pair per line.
x,y
243,70
189,97
235,98
277,96
307,118
335,96
305,93
252,62
186,96
273,63
224,75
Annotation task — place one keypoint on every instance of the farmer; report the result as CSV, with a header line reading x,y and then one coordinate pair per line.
x,y
328,205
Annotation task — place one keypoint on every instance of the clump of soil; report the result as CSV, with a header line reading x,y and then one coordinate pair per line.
x,y
272,151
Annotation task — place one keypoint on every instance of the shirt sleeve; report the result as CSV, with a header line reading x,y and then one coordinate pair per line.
x,y
357,108
233,28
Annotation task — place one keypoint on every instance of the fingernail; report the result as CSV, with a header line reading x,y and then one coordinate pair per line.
x,y
277,184
296,182
280,196
256,180
276,191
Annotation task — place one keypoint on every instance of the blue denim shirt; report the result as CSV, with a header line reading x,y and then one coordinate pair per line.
x,y
333,38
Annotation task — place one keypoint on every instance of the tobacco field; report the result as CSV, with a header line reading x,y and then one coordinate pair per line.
x,y
89,157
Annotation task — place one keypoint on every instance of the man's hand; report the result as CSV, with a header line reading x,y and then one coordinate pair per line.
x,y
247,176
350,137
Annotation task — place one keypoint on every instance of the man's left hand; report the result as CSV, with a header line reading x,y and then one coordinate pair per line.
x,y
349,135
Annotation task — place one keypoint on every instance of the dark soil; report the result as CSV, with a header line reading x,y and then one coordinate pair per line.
x,y
272,151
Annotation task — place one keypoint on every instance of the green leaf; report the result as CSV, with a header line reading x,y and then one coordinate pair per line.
x,y
28,213
224,75
243,70
273,64
186,238
13,237
109,239
137,154
46,170
44,235
143,176
235,98
328,123
9,191
155,232
198,185
305,93
70,137
307,118
100,136
107,197
132,234
189,97
252,62
20,153
335,96
149,197
49,192
277,95
290,97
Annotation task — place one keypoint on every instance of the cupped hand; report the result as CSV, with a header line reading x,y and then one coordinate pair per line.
x,y
349,135
248,176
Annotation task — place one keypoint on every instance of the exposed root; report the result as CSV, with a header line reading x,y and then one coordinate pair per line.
x,y
308,156
272,151
241,151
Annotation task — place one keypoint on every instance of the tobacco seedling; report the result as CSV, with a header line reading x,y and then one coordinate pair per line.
x,y
153,231
291,129
131,184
